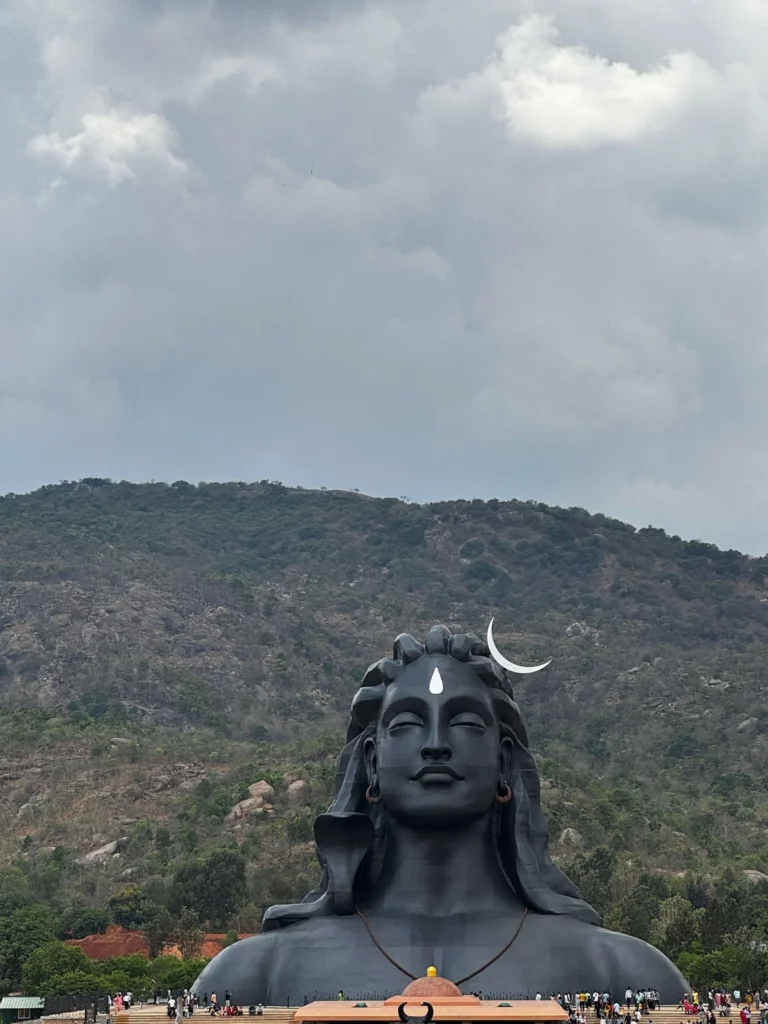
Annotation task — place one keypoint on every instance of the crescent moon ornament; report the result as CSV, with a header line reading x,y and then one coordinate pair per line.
x,y
510,666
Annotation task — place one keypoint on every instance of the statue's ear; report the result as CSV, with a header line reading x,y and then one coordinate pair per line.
x,y
371,757
506,756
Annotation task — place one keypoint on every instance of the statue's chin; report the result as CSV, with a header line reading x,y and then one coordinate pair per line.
x,y
436,810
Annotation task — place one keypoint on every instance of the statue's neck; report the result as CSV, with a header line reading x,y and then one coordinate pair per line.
x,y
439,874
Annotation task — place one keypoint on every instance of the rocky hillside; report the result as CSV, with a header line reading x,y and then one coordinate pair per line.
x,y
164,647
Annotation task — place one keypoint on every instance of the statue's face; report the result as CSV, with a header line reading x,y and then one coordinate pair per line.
x,y
438,756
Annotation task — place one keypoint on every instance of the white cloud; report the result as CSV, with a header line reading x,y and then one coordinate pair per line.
x,y
565,96
110,145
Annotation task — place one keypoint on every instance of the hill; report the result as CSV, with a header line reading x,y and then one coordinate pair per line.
x,y
163,647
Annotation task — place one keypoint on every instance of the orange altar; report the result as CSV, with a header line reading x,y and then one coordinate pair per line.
x,y
431,999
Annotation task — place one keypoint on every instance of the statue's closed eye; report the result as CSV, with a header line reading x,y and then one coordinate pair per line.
x,y
405,720
469,720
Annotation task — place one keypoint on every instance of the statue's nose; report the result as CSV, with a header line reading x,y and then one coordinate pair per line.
x,y
436,752
436,746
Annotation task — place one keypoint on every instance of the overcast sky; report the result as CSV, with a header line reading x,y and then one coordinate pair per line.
x,y
434,248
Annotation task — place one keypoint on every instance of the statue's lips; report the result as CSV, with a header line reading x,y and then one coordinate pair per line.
x,y
433,770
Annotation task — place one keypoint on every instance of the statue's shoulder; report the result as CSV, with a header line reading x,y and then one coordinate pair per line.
x,y
240,965
641,964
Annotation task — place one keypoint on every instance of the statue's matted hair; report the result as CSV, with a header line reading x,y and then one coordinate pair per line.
x,y
352,832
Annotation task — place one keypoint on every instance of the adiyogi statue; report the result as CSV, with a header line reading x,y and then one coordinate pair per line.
x,y
435,852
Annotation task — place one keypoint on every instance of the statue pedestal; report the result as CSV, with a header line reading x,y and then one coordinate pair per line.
x,y
431,999
445,1009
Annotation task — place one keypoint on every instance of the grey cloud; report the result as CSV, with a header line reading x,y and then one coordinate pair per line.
x,y
351,244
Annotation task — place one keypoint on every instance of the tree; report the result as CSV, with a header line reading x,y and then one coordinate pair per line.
x,y
141,837
115,981
133,965
225,886
729,904
215,888
705,970
190,934
745,955
696,891
20,934
637,909
158,932
593,873
170,972
73,983
163,839
676,927
44,965
12,901
77,922
130,907
189,840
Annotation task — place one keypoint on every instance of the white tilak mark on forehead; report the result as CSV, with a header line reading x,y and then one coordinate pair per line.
x,y
436,682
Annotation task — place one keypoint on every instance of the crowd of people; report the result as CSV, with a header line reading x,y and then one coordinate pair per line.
x,y
752,1006
186,1004
635,1007
189,1002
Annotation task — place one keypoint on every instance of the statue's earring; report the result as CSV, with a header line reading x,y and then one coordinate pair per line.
x,y
503,793
372,794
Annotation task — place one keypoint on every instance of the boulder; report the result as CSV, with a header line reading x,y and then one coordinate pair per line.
x,y
297,792
748,725
756,876
119,739
570,837
246,807
261,790
577,629
103,853
258,802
